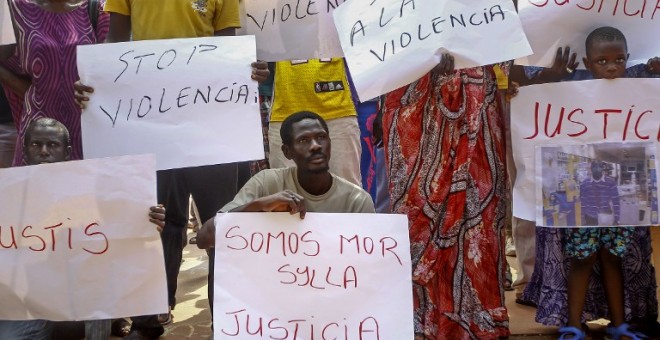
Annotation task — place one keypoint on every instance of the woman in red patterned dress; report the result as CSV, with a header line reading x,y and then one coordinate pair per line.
x,y
444,138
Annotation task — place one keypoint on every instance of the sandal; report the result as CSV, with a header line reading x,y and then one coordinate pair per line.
x,y
120,327
572,333
624,330
165,319
523,302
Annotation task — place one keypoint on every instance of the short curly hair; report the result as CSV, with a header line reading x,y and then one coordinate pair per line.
x,y
286,130
605,33
47,122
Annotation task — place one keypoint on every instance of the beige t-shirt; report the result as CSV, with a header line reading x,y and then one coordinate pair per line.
x,y
343,196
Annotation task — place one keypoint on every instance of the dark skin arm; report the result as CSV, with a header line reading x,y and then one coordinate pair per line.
x,y
120,28
446,65
563,66
157,216
7,51
119,31
206,235
653,65
286,200
16,84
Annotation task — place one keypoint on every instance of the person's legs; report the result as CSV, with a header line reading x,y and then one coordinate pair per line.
x,y
26,330
120,327
276,157
382,201
582,247
612,275
346,149
578,282
98,329
367,112
523,231
524,239
212,187
211,278
145,326
614,243
174,194
8,137
193,221
172,238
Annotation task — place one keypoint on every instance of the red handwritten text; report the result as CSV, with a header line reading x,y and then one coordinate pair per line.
x,y
279,242
246,324
40,239
366,245
627,8
552,121
306,276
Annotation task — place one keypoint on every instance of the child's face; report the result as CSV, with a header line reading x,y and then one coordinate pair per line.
x,y
607,59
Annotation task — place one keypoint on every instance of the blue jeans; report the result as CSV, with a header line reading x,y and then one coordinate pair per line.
x,y
26,330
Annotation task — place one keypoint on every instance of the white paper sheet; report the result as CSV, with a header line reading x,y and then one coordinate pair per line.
x,y
189,101
614,121
551,24
6,29
293,29
391,43
333,273
84,247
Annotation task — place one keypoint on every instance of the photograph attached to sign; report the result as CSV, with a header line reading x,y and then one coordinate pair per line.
x,y
600,184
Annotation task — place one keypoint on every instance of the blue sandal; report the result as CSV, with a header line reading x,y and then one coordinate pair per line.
x,y
623,330
572,333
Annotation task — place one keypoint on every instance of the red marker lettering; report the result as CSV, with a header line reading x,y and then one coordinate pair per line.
x,y
105,239
43,242
606,113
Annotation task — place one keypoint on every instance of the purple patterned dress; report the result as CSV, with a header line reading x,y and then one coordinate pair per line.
x,y
548,287
46,51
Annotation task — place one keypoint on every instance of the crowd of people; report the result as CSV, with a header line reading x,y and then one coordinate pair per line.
x,y
437,152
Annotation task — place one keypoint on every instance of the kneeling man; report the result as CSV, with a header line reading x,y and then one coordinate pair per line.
x,y
308,186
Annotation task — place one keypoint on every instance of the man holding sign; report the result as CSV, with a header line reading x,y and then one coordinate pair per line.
x,y
47,141
157,19
308,186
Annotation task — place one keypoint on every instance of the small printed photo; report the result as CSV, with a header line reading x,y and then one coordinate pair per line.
x,y
598,185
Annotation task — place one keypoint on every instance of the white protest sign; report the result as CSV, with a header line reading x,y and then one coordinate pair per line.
x,y
327,276
189,101
6,28
293,29
391,43
559,131
76,242
551,24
